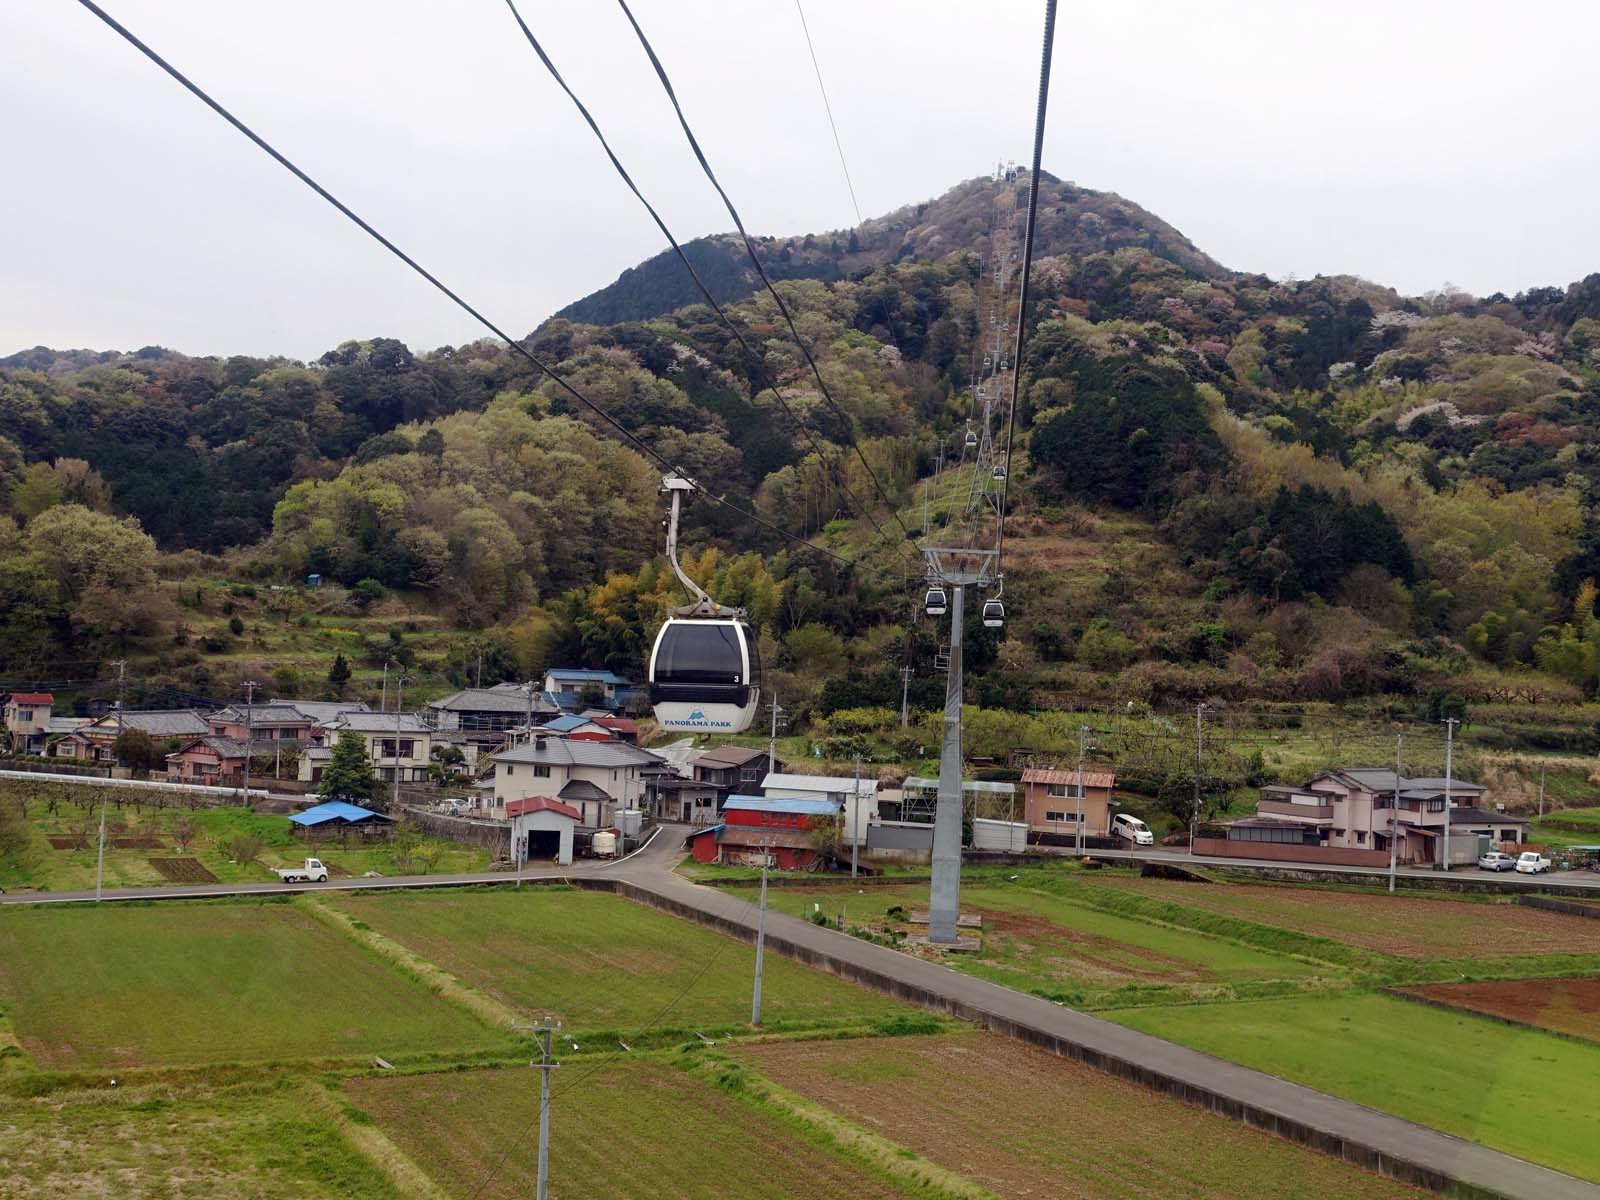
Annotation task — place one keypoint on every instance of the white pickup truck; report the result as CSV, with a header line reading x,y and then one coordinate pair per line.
x,y
312,872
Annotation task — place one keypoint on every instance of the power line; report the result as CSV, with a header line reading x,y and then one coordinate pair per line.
x,y
1027,260
828,108
560,381
756,359
749,246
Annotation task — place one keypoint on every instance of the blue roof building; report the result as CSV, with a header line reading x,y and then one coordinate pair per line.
x,y
781,804
336,814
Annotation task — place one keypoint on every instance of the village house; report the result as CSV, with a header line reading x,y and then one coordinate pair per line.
x,y
754,827
275,721
397,743
488,710
323,711
596,778
624,729
93,742
27,720
1050,801
207,760
733,770
585,729
1353,809
574,688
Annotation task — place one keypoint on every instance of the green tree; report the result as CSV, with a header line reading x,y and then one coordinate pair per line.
x,y
348,775
137,749
339,674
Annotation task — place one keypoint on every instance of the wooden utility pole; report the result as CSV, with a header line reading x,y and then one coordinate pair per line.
x,y
761,939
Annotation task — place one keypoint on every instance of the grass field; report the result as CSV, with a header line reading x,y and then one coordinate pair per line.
x,y
1570,1006
1413,926
600,962
1043,942
631,1128
150,1142
43,868
1521,1091
1024,1123
208,982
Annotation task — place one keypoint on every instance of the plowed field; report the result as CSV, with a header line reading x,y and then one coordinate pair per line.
x,y
1564,1005
1024,1123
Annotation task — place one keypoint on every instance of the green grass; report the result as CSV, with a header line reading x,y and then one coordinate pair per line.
x,y
630,1128
603,963
1052,945
41,867
208,982
155,1142
1521,1091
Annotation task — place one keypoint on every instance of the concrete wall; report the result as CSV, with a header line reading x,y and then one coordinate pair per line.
x,y
1337,856
494,836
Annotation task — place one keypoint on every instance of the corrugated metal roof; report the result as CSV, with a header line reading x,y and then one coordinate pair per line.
x,y
32,698
585,673
336,810
1091,779
988,786
783,804
702,831
371,722
817,783
729,756
532,804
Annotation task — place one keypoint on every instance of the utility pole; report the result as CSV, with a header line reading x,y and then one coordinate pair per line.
x,y
761,939
479,680
528,688
772,737
100,866
383,700
1083,746
1394,813
544,1064
855,818
121,664
1450,724
249,734
1541,791
399,700
905,696
1199,747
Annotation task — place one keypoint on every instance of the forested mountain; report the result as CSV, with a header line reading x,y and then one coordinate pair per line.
x,y
1226,485
1072,220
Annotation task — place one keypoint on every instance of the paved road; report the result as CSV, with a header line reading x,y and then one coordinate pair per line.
x,y
1575,881
1339,1126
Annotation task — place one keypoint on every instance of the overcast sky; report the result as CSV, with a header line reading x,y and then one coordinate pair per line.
x,y
1409,141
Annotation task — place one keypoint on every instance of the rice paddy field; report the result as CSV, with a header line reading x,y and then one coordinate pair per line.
x,y
599,962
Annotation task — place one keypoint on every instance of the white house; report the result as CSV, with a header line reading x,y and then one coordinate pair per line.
x,y
396,742
596,778
857,798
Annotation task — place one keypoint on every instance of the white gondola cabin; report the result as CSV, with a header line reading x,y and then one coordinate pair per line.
x,y
705,675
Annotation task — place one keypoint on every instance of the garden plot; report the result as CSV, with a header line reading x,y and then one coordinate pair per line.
x,y
1570,1006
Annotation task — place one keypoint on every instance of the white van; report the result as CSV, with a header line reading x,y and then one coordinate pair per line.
x,y
1129,827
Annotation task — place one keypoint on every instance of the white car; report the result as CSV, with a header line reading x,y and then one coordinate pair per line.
x,y
1129,827
1531,862
1497,860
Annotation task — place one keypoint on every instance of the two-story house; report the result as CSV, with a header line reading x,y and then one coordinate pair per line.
x,y
777,828
397,744
274,721
856,800
1362,808
596,778
27,720
569,687
1051,801
488,711
733,769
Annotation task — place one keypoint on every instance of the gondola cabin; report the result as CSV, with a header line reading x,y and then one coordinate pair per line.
x,y
705,675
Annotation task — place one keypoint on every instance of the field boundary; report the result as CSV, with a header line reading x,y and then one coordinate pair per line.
x,y
1398,1166
737,1079
1404,993
373,1145
1572,908
432,976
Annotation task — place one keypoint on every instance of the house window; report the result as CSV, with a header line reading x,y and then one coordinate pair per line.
x,y
1435,805
1059,790
749,776
1053,816
510,770
1361,837
541,770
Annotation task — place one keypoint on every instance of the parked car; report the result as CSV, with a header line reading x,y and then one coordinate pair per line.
x,y
454,805
312,872
1497,860
1129,827
1531,862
